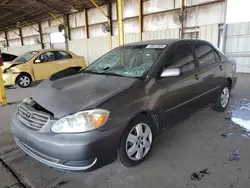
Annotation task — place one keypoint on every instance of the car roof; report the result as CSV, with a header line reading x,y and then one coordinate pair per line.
x,y
49,50
163,42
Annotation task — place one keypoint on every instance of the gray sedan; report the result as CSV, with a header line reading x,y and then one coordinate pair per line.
x,y
80,120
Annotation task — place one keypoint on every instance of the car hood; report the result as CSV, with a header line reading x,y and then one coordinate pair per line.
x,y
79,92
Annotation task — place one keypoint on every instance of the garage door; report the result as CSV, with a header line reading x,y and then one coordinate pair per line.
x,y
238,45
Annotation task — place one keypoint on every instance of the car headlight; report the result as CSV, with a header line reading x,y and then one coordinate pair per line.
x,y
27,100
81,121
8,70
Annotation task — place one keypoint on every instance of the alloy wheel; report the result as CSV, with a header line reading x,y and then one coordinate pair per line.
x,y
224,98
24,81
139,141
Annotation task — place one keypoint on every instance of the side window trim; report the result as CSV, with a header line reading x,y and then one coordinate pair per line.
x,y
170,51
174,48
204,43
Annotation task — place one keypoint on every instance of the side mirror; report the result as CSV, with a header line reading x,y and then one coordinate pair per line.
x,y
38,61
171,72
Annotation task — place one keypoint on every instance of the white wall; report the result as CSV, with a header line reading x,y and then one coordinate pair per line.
x,y
210,33
19,50
238,45
205,15
99,46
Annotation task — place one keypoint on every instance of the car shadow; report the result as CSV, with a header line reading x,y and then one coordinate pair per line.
x,y
33,85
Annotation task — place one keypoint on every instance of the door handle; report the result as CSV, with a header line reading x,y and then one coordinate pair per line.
x,y
221,67
196,76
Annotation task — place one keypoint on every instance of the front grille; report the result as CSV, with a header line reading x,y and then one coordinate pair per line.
x,y
31,118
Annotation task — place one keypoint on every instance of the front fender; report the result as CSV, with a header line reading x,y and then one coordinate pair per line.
x,y
125,106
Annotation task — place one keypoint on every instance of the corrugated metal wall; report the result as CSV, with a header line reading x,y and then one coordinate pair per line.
x,y
99,46
19,50
210,33
165,34
79,47
238,45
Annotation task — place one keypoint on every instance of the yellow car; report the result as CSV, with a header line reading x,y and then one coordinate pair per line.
x,y
39,65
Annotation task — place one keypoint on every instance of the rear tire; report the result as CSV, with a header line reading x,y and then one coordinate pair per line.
x,y
23,80
136,141
223,99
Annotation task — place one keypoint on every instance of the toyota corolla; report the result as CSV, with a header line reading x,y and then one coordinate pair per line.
x,y
79,119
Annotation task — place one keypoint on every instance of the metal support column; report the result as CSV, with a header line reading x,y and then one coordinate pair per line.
x,y
86,34
110,16
109,22
140,20
41,34
67,23
182,19
6,38
21,36
224,40
66,29
120,23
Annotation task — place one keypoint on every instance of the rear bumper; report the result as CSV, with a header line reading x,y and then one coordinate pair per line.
x,y
70,152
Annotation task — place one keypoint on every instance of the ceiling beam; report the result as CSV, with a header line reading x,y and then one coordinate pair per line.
x,y
17,11
49,5
12,5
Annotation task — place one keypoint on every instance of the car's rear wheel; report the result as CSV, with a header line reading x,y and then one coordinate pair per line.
x,y
23,80
223,99
136,141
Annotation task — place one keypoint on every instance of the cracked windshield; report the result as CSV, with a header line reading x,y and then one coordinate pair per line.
x,y
128,61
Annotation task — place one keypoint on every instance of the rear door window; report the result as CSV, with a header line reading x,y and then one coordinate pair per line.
x,y
181,57
206,54
62,55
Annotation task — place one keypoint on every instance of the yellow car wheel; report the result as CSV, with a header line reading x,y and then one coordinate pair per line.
x,y
23,80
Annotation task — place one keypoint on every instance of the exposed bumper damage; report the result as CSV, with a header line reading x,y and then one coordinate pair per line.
x,y
10,78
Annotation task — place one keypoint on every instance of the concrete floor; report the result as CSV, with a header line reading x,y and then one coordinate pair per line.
x,y
188,147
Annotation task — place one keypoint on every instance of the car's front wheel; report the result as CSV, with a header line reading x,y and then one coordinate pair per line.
x,y
23,80
223,99
136,141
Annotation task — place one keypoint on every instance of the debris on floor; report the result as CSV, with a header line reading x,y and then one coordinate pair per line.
x,y
246,134
226,134
197,176
240,114
234,156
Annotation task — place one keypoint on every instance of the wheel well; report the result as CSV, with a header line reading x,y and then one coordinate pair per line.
x,y
154,117
229,81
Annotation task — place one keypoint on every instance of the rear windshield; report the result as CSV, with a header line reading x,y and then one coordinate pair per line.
x,y
127,61
25,57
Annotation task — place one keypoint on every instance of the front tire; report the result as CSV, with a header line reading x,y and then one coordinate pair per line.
x,y
136,141
223,99
23,80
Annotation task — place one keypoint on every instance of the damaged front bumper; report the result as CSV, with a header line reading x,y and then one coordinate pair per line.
x,y
9,79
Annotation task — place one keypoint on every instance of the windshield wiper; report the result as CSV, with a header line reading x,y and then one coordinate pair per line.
x,y
110,74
